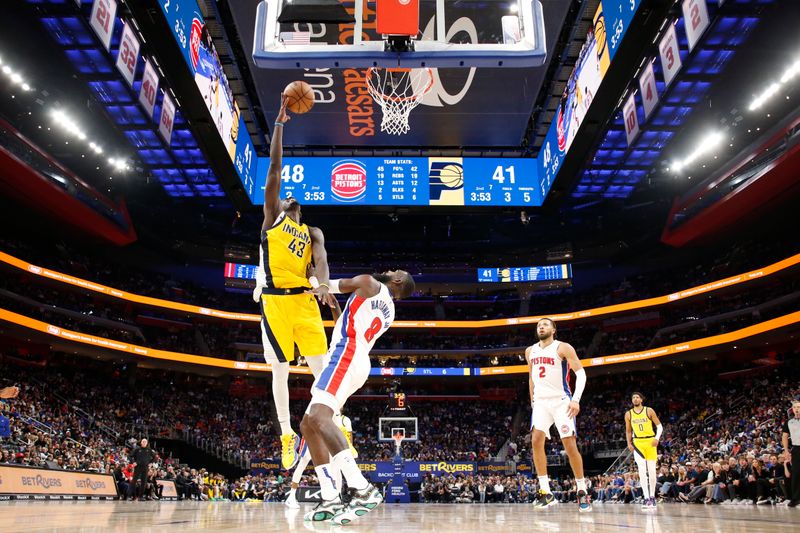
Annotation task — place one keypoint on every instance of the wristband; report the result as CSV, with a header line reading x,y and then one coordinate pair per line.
x,y
279,123
313,281
334,286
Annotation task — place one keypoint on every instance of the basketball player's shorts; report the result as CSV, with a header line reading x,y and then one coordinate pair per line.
x,y
345,370
549,411
291,319
644,449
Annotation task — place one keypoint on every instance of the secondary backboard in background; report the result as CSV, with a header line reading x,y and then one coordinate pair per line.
x,y
389,426
466,107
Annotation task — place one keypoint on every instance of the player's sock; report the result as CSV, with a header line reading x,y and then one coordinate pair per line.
x,y
326,482
297,475
280,395
352,474
544,484
336,473
581,483
651,477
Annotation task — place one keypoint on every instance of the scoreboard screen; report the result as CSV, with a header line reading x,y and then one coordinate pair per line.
x,y
521,274
396,181
240,271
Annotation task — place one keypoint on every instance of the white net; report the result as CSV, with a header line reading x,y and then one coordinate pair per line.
x,y
398,91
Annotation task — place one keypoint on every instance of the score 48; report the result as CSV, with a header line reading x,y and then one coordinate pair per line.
x,y
295,174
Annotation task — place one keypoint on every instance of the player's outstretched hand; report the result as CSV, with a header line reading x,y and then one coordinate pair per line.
x,y
573,409
283,115
324,295
630,446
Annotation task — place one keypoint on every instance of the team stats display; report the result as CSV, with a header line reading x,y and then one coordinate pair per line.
x,y
396,181
522,274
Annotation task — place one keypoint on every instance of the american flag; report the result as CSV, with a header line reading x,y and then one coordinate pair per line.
x,y
296,37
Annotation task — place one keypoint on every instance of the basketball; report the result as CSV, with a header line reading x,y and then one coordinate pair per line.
x,y
452,176
299,97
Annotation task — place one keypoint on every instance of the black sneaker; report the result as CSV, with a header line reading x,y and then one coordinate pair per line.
x,y
544,500
584,503
794,503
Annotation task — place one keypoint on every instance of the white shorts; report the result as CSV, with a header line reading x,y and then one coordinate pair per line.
x,y
549,411
342,375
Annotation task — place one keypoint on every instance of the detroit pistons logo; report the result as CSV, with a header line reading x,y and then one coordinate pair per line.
x,y
348,181
194,41
561,132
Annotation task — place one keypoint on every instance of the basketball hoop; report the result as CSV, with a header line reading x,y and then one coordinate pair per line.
x,y
398,91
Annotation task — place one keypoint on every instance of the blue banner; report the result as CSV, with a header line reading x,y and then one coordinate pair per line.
x,y
414,471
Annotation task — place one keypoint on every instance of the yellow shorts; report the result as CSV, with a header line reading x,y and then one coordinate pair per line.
x,y
291,319
644,449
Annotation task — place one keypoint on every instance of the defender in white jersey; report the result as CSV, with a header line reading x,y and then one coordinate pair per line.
x,y
552,402
367,315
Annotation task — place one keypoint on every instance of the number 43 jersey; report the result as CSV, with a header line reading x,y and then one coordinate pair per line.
x,y
285,254
362,322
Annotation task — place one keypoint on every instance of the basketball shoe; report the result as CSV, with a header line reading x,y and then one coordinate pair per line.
x,y
290,445
361,502
544,500
325,510
584,503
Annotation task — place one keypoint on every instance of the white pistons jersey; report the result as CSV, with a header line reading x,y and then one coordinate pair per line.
x,y
549,372
363,321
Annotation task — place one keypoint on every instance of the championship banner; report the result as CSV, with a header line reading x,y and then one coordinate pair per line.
x,y
648,89
102,20
670,54
128,55
166,122
631,119
40,483
695,17
149,90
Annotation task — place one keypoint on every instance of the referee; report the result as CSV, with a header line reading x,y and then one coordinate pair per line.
x,y
791,431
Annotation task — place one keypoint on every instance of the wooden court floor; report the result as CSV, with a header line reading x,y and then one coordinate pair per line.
x,y
178,517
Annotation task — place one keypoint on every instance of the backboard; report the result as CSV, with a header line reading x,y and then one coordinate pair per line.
x,y
388,427
512,34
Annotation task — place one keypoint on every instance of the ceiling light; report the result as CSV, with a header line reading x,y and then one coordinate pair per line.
x,y
7,69
791,72
26,87
763,97
16,78
513,8
706,145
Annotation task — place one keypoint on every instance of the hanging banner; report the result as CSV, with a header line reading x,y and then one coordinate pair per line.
x,y
167,118
670,54
102,20
648,89
149,90
631,119
128,55
695,17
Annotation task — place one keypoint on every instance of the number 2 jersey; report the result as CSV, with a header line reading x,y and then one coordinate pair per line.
x,y
549,372
362,322
284,255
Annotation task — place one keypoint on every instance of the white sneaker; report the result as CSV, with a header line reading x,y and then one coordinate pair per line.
x,y
325,511
291,500
361,502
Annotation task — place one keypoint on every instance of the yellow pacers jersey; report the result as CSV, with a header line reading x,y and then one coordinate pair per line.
x,y
642,425
286,253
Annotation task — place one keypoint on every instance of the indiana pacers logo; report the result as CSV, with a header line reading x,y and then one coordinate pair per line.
x,y
446,177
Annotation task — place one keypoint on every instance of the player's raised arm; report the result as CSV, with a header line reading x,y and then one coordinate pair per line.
x,y
566,351
364,285
321,269
272,189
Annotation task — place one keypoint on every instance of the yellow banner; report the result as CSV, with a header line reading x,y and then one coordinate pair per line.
x,y
414,324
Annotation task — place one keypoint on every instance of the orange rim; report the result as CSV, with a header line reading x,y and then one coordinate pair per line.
x,y
403,98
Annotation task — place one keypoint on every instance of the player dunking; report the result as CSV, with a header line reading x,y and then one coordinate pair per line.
x,y
289,315
367,315
549,362
639,422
